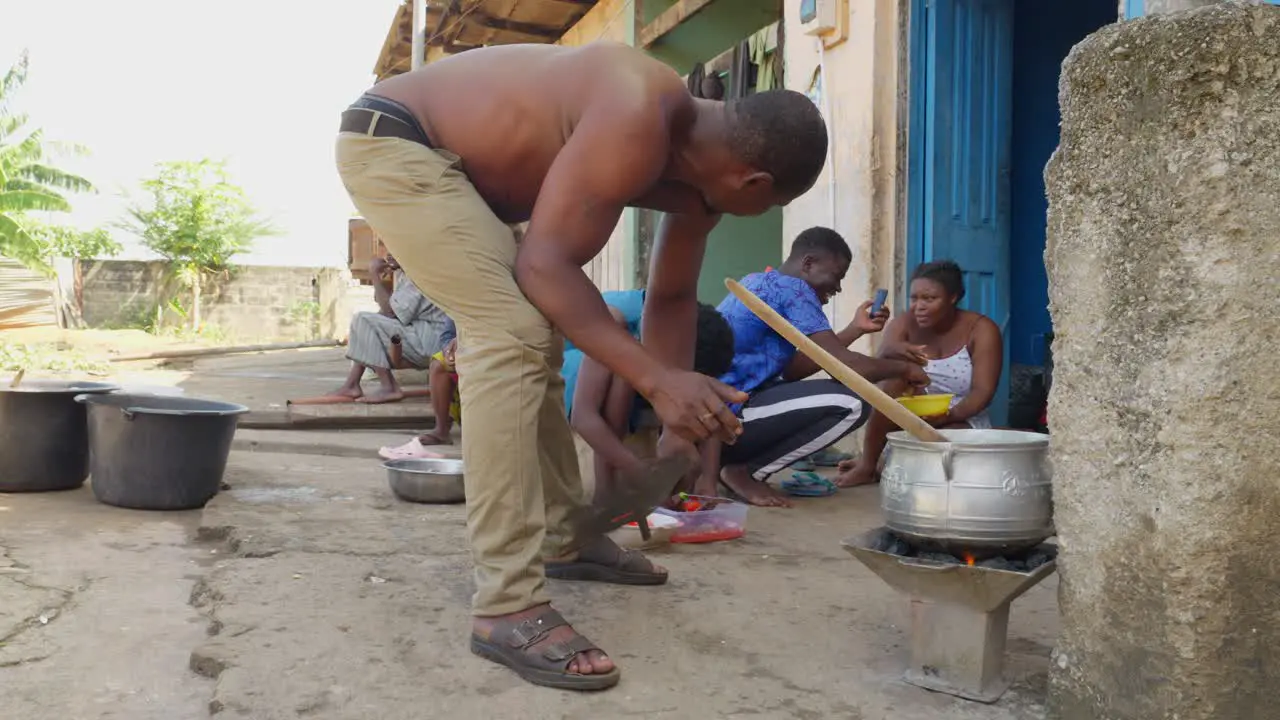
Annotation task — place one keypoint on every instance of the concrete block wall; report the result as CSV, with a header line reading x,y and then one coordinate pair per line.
x,y
255,302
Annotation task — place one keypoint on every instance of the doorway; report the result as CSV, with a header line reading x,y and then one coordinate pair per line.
x,y
983,124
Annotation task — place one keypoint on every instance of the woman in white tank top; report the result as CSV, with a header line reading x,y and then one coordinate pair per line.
x,y
961,351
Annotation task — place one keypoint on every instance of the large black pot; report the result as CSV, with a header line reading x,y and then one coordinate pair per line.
x,y
150,452
44,444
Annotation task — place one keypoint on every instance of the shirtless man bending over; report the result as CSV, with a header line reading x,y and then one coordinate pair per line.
x,y
441,161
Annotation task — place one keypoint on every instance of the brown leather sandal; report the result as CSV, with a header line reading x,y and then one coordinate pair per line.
x,y
602,560
522,646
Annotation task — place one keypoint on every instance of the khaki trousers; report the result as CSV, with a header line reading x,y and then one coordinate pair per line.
x,y
522,476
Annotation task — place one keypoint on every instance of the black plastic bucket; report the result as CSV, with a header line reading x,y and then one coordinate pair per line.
x,y
44,441
151,452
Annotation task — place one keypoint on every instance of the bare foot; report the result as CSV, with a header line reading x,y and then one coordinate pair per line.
x,y
379,396
856,474
591,662
347,392
433,439
758,493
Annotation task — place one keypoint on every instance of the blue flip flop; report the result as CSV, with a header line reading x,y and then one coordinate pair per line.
x,y
807,484
829,457
804,465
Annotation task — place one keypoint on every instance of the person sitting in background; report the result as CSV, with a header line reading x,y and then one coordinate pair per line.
x,y
602,407
786,417
446,406
407,325
962,353
446,403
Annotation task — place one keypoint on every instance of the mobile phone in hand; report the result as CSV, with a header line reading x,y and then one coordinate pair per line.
x,y
881,296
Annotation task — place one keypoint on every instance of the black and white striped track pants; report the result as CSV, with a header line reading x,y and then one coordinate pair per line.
x,y
784,422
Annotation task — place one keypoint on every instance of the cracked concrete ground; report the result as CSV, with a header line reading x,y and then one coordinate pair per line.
x,y
307,591
94,614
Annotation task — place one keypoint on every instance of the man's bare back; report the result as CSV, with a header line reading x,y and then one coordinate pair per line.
x,y
509,110
566,138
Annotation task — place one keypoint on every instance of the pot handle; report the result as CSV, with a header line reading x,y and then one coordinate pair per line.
x,y
128,413
948,456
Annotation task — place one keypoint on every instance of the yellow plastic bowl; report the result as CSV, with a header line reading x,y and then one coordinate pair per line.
x,y
927,405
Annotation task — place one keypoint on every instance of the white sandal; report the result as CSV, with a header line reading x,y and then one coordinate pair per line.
x,y
410,450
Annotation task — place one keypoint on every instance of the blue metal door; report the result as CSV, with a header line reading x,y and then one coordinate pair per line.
x,y
968,87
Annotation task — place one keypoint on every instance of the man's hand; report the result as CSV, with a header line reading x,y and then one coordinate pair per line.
x,y
914,375
694,406
915,354
865,323
450,353
378,267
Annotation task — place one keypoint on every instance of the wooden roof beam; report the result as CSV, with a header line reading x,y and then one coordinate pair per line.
x,y
669,20
515,26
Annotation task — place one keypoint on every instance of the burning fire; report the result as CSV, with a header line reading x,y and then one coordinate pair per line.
x,y
968,560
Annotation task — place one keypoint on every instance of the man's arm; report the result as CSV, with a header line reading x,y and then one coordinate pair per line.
x,y
381,271
873,369
863,323
617,153
670,317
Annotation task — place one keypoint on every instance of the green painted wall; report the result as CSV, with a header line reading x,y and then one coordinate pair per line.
x,y
738,246
709,32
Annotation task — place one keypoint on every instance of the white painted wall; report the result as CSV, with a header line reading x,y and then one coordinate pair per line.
x,y
860,89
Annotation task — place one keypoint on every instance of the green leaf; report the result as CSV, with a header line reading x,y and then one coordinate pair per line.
x,y
17,243
19,201
54,177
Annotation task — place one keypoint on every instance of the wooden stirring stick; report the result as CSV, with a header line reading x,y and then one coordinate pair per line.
x,y
866,389
17,378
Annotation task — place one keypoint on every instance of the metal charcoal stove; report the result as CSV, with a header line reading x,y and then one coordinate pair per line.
x,y
965,523
959,611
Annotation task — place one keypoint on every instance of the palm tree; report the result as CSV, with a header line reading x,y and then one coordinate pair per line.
x,y
27,182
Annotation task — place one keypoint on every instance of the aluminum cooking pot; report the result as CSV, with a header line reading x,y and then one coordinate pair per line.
x,y
981,493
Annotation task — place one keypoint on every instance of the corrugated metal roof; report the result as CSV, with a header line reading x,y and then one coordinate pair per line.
x,y
26,297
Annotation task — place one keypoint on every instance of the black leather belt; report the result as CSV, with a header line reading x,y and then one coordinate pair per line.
x,y
359,120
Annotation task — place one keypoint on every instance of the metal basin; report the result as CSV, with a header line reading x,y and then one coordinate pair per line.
x,y
426,480
44,436
983,493
152,452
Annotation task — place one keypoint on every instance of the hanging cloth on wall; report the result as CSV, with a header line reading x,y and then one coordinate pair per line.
x,y
761,46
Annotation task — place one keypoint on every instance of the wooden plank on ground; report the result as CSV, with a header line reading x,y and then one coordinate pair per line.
x,y
277,420
411,409
409,394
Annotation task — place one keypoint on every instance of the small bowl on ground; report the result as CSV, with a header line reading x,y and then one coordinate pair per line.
x,y
426,480
722,519
927,405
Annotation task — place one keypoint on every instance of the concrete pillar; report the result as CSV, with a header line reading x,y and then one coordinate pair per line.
x,y
1163,257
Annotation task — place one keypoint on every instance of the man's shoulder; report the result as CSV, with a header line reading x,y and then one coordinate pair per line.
x,y
777,283
627,81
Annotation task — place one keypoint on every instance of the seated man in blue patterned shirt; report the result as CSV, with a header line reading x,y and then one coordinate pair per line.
x,y
786,417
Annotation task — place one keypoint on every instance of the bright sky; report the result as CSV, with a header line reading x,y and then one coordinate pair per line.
x,y
258,82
